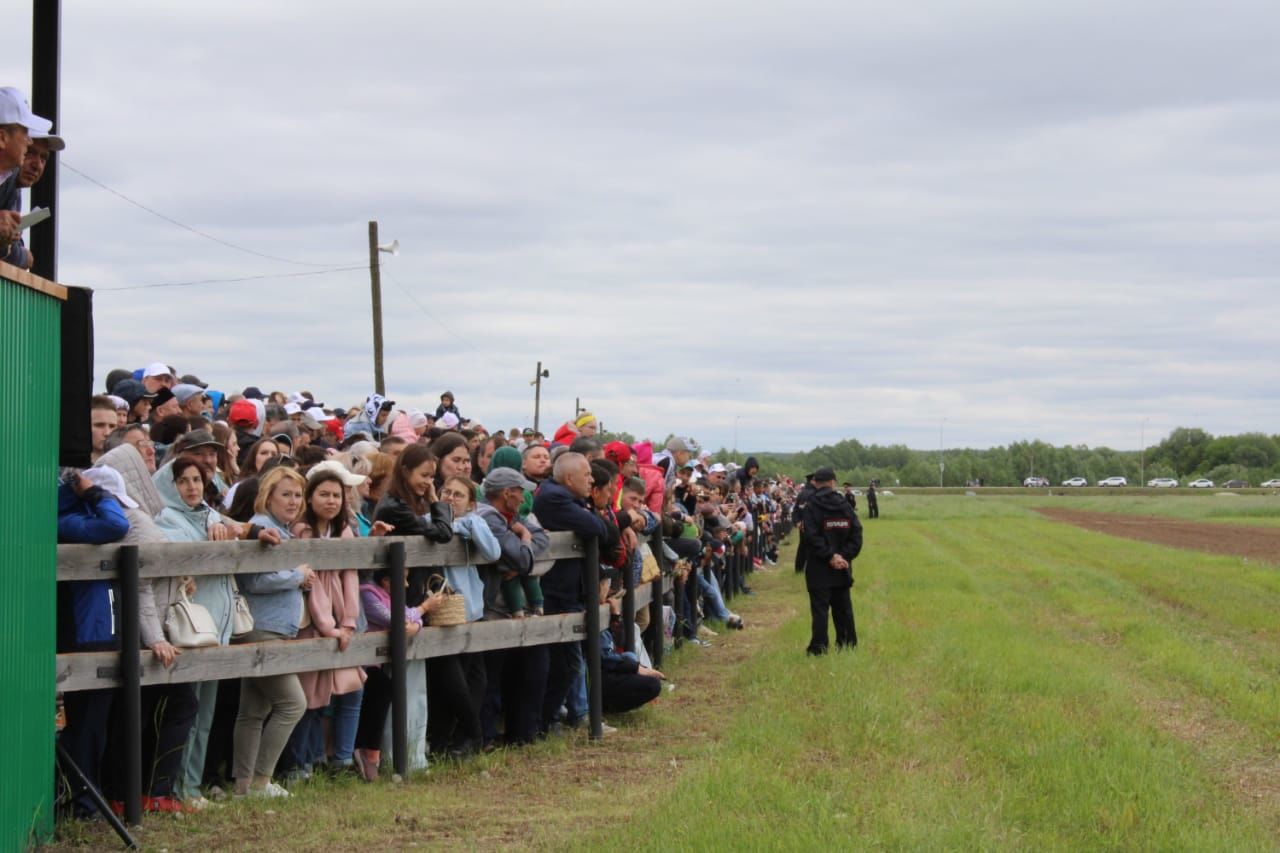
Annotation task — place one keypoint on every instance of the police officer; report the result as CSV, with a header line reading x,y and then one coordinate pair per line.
x,y
833,535
797,517
873,507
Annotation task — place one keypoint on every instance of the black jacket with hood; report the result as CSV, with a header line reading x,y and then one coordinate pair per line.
x,y
830,527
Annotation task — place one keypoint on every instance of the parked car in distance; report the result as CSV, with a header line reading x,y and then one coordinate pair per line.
x,y
1163,483
1235,484
1271,484
1076,481
1113,481
1036,482
1202,483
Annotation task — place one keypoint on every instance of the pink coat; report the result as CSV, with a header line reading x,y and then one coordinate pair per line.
x,y
334,602
400,427
655,485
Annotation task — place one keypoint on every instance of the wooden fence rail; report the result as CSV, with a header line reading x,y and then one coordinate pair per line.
x,y
132,667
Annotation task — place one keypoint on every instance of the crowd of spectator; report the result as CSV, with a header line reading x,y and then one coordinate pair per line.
x,y
175,461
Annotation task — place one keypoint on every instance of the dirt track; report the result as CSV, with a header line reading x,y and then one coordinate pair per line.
x,y
1256,543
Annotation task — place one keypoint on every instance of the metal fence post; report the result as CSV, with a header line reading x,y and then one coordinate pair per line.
x,y
591,580
131,681
657,625
399,688
692,590
628,609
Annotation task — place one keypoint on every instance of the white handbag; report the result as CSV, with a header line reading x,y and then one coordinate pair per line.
x,y
241,615
189,625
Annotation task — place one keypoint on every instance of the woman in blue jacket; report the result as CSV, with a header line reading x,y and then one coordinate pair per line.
x,y
270,706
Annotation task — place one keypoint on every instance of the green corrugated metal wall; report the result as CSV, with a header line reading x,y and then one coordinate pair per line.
x,y
29,382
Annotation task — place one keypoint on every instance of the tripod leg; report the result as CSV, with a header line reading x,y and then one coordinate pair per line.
x,y
77,777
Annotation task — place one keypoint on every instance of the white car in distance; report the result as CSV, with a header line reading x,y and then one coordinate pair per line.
x,y
1113,481
1162,483
1202,483
1271,484
1076,481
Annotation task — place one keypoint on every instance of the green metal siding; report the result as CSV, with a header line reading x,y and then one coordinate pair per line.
x,y
29,382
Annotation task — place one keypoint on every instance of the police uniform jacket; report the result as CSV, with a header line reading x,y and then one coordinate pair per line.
x,y
802,500
830,527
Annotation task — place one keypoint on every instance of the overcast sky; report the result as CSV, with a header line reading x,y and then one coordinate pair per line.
x,y
802,221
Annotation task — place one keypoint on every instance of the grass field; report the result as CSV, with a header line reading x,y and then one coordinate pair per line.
x,y
1020,684
1230,507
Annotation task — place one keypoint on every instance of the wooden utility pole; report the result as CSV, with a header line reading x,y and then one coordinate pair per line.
x,y
538,376
375,284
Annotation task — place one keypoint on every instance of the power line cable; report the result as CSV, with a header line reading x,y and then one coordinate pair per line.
x,y
432,317
230,280
64,164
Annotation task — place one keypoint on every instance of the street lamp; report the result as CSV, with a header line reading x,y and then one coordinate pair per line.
x,y
1142,454
942,456
736,418
538,376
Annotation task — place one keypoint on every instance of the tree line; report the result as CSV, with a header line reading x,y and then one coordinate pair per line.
x,y
1185,454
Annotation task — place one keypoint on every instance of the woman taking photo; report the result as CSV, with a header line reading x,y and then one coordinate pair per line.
x,y
270,706
411,506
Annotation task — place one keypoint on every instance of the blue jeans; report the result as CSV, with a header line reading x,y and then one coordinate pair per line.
x,y
565,671
346,720
712,599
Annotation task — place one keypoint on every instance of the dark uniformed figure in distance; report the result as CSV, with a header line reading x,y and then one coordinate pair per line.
x,y
850,496
832,536
797,518
873,508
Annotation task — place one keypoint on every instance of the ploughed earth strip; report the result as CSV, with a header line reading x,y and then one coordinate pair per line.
x,y
1256,543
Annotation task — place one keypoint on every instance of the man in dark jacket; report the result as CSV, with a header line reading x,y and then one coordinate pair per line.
x,y
87,616
797,518
873,506
833,535
517,678
561,504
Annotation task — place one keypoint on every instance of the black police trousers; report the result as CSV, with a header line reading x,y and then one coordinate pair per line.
x,y
841,606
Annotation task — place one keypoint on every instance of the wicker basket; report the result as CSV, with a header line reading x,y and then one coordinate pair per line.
x,y
452,609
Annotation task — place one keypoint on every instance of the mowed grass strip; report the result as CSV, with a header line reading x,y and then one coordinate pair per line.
x,y
1226,507
1018,684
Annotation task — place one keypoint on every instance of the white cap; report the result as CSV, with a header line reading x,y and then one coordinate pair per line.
x,y
717,468
112,482
417,418
55,143
296,397
448,420
14,109
347,477
292,409
157,368
120,403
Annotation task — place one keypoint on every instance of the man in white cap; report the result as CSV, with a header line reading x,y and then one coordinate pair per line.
x,y
29,173
157,375
17,127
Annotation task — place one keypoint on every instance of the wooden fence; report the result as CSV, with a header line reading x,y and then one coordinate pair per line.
x,y
132,667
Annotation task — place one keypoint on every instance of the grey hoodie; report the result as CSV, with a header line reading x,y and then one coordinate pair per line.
x,y
153,598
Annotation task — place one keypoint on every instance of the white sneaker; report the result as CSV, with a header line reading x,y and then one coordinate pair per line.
x,y
269,792
199,803
607,729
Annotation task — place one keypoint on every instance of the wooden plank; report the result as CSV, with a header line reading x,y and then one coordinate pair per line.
x,y
175,559
93,670
18,275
